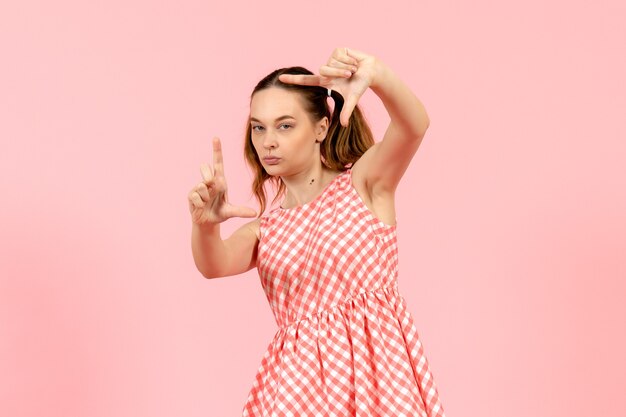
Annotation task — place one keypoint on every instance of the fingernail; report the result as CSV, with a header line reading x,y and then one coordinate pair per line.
x,y
348,73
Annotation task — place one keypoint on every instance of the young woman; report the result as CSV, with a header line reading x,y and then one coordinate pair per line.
x,y
327,256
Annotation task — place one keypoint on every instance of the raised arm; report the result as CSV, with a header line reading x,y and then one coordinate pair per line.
x,y
351,73
209,206
382,167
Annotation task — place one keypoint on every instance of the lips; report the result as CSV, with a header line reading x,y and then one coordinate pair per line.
x,y
271,160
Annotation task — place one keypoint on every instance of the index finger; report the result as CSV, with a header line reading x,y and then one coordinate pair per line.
x,y
218,162
302,79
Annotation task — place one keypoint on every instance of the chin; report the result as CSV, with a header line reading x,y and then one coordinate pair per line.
x,y
273,170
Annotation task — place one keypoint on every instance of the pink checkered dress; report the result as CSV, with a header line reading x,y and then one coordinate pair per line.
x,y
346,344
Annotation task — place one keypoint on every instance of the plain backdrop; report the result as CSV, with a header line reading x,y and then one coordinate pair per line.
x,y
512,216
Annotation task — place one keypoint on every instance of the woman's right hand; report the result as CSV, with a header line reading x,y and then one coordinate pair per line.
x,y
208,201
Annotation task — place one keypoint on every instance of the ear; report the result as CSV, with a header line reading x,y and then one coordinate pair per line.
x,y
321,129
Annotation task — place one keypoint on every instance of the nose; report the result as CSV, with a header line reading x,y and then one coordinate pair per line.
x,y
269,140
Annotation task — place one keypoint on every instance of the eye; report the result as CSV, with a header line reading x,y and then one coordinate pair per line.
x,y
254,128
286,124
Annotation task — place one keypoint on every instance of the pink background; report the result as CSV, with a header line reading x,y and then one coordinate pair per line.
x,y
512,215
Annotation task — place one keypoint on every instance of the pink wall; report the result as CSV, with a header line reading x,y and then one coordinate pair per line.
x,y
512,216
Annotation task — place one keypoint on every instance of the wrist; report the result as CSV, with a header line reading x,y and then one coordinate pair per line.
x,y
206,227
381,73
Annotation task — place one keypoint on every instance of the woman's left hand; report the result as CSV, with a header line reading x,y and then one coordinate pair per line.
x,y
347,71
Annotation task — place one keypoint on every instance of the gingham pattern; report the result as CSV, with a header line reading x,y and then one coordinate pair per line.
x,y
346,345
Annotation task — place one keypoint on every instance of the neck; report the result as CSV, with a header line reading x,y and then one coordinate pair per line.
x,y
305,186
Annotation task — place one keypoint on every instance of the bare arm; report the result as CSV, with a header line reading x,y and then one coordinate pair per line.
x,y
382,166
388,160
209,206
215,257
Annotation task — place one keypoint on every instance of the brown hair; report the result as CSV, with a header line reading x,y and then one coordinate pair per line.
x,y
342,146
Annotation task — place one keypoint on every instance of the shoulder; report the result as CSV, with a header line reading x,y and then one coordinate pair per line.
x,y
253,227
257,225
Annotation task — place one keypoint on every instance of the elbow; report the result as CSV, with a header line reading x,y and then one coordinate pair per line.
x,y
207,276
415,140
419,134
210,274
415,132
206,272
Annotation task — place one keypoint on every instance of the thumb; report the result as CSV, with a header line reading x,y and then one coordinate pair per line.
x,y
348,108
240,211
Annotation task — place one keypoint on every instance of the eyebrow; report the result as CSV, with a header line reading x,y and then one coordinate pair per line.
x,y
286,116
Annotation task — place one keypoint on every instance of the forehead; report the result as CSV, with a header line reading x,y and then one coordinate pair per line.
x,y
274,102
